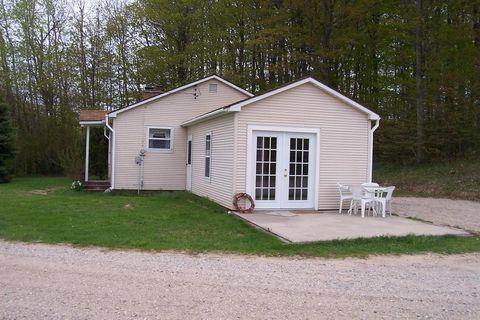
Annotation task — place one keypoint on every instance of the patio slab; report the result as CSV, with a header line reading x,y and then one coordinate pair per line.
x,y
307,227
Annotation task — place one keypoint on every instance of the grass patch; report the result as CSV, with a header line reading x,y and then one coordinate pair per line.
x,y
458,179
171,221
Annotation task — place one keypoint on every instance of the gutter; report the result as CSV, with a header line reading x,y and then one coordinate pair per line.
x,y
370,143
112,178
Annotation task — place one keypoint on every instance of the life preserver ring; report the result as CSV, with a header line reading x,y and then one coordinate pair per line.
x,y
241,195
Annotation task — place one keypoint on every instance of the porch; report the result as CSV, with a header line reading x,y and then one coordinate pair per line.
x,y
88,120
298,226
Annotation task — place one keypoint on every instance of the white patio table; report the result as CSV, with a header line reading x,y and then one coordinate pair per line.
x,y
363,195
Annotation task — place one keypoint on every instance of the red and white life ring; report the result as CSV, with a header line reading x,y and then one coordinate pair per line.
x,y
239,196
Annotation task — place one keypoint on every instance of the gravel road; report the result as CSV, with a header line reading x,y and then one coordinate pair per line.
x,y
444,212
40,281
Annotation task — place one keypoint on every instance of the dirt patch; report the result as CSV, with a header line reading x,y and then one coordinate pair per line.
x,y
128,206
42,192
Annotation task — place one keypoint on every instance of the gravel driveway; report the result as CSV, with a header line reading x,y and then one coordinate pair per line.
x,y
59,282
445,212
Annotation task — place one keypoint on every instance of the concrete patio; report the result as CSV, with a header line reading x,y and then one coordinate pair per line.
x,y
308,226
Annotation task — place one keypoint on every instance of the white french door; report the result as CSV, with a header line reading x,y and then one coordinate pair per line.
x,y
283,173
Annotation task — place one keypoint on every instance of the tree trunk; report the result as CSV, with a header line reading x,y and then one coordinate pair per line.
x,y
325,41
420,90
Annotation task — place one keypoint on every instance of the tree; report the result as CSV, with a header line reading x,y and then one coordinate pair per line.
x,y
420,93
6,141
416,63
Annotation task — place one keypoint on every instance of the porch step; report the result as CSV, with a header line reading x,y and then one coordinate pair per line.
x,y
96,185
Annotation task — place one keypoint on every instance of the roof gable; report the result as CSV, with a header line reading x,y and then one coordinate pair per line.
x,y
114,113
237,106
328,90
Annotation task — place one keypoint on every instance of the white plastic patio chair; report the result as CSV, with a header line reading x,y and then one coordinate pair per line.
x,y
380,199
389,199
360,197
345,194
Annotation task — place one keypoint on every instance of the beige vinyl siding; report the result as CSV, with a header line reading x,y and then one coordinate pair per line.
x,y
163,170
344,133
219,187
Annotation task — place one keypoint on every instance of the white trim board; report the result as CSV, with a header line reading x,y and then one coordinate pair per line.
x,y
316,131
113,114
92,123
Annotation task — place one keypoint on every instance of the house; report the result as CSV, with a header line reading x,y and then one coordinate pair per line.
x,y
287,148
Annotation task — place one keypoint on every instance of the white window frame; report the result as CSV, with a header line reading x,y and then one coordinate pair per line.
x,y
147,134
209,156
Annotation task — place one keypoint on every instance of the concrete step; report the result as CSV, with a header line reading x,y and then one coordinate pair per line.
x,y
96,185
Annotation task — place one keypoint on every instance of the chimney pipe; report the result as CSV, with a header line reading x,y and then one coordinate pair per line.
x,y
151,91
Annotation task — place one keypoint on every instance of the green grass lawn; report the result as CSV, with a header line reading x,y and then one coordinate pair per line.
x,y
458,179
46,210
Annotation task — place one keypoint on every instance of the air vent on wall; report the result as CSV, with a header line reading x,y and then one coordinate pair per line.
x,y
212,88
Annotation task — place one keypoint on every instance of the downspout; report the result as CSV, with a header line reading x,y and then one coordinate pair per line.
x,y
370,143
105,133
113,152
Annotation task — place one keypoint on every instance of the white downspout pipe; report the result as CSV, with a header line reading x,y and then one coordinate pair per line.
x,y
113,152
370,156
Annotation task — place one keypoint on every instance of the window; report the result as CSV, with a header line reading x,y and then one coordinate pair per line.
x,y
212,88
160,138
208,154
189,152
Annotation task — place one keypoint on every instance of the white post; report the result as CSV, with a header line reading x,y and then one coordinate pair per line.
x,y
87,152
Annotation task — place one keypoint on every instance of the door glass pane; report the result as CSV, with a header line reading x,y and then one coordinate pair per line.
x,y
306,143
266,165
298,174
189,152
272,193
272,181
304,194
273,167
273,144
260,142
267,143
259,155
265,193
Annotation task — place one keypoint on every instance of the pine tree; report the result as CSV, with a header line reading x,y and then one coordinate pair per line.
x,y
6,141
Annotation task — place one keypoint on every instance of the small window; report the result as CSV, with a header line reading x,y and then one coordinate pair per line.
x,y
212,88
160,138
189,152
208,154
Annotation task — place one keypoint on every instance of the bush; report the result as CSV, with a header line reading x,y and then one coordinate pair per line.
x,y
71,162
77,185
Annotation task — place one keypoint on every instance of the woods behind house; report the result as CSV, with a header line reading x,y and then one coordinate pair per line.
x,y
415,62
